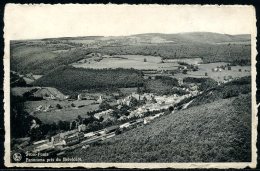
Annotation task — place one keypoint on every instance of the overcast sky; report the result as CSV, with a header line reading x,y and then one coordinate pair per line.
x,y
43,21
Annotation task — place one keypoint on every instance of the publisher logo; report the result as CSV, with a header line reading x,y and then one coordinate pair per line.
x,y
17,157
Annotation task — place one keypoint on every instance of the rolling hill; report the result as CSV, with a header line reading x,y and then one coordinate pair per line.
x,y
196,37
39,56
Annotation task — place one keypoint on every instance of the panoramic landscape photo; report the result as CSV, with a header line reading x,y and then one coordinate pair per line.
x,y
150,97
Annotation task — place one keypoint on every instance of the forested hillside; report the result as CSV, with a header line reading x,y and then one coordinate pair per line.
x,y
71,80
208,52
42,57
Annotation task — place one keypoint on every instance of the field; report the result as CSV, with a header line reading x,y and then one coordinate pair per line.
x,y
139,62
67,113
218,76
214,132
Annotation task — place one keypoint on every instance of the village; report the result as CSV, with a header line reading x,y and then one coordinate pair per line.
x,y
142,109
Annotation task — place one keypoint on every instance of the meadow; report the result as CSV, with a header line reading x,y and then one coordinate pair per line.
x,y
139,62
217,76
67,113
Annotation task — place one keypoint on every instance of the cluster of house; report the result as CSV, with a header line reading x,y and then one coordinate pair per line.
x,y
131,123
43,108
140,112
61,139
77,135
147,97
148,119
217,69
103,114
98,97
152,103
65,139
220,68
160,103
228,78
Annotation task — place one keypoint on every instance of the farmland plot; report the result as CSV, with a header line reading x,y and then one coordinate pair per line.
x,y
67,112
235,72
139,62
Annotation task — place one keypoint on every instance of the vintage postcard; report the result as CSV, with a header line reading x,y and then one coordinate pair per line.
x,y
130,86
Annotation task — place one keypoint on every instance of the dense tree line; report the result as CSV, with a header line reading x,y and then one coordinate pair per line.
x,y
70,80
208,52
203,83
163,85
241,62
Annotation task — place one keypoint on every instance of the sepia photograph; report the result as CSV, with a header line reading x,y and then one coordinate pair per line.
x,y
130,86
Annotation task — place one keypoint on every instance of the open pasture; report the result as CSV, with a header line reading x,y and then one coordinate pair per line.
x,y
139,62
217,75
67,113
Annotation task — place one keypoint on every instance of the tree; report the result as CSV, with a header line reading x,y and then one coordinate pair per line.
x,y
53,126
94,126
138,90
133,102
153,100
80,119
73,125
58,106
147,113
171,108
195,68
145,99
35,134
89,120
104,105
60,125
118,131
206,74
145,60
